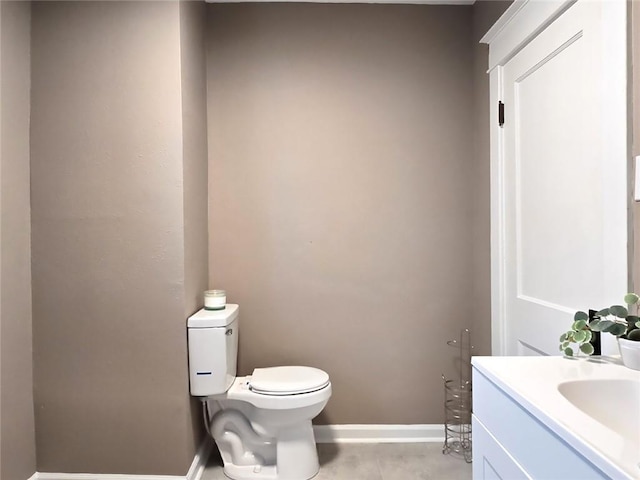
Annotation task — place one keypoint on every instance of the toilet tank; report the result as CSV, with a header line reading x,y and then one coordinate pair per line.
x,y
213,350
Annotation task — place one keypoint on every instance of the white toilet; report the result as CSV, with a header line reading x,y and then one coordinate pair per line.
x,y
263,423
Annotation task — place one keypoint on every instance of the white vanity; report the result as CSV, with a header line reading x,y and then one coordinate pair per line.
x,y
555,418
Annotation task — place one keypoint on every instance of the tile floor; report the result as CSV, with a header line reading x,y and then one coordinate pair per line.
x,y
382,461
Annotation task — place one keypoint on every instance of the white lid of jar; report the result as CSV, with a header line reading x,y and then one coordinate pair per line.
x,y
214,318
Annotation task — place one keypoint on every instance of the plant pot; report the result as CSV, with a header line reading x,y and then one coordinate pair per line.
x,y
630,351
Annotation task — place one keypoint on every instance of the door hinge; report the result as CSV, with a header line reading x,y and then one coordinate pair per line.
x,y
500,113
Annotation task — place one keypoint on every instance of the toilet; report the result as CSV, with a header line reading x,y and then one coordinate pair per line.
x,y
262,422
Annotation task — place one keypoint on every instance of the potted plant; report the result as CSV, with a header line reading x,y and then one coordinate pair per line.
x,y
615,320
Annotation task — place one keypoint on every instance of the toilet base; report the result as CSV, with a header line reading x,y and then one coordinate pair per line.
x,y
296,457
267,436
236,472
258,472
249,473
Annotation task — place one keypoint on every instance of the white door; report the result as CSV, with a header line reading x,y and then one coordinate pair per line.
x,y
564,177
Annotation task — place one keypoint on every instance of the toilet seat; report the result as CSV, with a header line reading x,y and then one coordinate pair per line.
x,y
241,391
282,381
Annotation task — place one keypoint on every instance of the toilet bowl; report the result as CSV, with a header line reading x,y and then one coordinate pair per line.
x,y
262,422
280,417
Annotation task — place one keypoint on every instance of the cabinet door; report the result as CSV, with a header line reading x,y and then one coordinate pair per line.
x,y
564,176
490,460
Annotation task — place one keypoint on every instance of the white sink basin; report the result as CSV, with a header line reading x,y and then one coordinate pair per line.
x,y
615,403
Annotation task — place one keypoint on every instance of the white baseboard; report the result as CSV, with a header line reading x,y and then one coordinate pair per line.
x,y
323,434
103,476
195,470
378,433
200,460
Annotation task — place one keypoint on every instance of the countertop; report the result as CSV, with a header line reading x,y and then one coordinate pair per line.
x,y
533,382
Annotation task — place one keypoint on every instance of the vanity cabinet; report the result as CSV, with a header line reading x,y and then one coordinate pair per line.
x,y
511,443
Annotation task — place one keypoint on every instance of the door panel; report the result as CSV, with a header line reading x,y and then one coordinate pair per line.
x,y
557,204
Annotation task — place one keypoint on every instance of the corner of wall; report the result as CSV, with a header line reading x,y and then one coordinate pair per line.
x,y
194,167
107,114
17,430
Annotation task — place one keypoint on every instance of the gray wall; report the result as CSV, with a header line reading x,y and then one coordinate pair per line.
x,y
1,82
17,433
111,282
340,182
195,164
119,180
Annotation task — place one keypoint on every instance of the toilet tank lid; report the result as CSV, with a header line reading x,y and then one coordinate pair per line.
x,y
213,318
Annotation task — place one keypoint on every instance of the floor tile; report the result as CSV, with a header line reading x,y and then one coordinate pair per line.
x,y
348,462
404,467
330,450
213,470
396,449
384,461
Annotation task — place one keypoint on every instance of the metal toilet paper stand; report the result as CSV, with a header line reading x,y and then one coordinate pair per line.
x,y
457,401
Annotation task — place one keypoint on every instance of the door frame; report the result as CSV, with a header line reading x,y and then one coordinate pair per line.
x,y
519,24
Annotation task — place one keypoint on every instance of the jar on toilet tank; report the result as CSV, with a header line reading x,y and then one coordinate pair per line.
x,y
215,299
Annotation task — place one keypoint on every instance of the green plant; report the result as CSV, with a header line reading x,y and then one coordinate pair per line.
x,y
615,320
